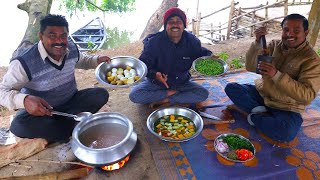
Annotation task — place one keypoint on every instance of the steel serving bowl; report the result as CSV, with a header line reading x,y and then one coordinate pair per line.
x,y
104,139
192,115
224,155
222,62
121,62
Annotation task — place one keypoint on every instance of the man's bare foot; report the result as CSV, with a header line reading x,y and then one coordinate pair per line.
x,y
226,115
234,107
171,92
156,105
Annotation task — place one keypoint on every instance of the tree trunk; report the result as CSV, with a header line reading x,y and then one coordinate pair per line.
x,y
36,9
314,26
155,22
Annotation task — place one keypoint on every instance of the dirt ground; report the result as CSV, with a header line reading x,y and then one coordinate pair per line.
x,y
141,165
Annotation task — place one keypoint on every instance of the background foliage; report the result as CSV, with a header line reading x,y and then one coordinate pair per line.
x,y
93,5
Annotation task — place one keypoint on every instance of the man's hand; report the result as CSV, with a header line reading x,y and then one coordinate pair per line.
x,y
267,68
37,106
102,59
162,78
260,32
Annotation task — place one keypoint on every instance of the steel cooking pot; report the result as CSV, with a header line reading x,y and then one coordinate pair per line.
x,y
104,139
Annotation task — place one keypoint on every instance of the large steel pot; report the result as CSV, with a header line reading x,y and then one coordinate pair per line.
x,y
104,139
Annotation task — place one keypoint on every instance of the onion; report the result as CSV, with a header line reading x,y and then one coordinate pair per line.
x,y
221,146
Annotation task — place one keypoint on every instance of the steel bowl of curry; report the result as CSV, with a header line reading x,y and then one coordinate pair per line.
x,y
175,124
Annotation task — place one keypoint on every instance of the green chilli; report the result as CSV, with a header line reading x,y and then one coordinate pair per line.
x,y
209,67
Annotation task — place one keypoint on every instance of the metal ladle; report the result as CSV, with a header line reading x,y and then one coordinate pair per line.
x,y
79,117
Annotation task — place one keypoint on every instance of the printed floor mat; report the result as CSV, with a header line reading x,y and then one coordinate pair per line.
x,y
197,158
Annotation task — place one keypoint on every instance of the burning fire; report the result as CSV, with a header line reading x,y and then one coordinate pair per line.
x,y
117,165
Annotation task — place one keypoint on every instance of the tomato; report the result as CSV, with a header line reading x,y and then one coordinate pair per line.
x,y
243,154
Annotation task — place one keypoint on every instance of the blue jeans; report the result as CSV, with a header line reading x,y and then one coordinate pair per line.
x,y
147,92
277,124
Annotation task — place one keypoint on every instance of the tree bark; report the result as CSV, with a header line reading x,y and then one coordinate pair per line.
x,y
155,22
36,9
314,25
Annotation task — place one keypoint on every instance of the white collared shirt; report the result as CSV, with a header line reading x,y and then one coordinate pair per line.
x,y
16,78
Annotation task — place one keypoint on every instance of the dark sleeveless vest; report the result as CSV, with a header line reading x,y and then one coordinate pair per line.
x,y
55,84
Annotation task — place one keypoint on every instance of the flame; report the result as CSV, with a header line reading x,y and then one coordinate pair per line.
x,y
117,165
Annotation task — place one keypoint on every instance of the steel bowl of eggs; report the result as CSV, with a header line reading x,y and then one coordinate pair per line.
x,y
121,72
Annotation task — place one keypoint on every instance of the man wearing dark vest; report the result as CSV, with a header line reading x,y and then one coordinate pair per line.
x,y
42,79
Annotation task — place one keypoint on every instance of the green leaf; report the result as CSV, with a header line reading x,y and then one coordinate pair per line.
x,y
318,51
223,55
236,64
91,5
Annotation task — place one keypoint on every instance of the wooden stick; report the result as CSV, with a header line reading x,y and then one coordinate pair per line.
x,y
262,7
20,166
57,162
260,22
50,161
70,174
230,21
236,3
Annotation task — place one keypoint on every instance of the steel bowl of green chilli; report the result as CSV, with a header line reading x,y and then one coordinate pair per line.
x,y
208,66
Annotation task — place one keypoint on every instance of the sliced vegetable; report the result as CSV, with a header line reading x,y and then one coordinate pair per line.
x,y
243,154
174,126
222,147
235,142
232,155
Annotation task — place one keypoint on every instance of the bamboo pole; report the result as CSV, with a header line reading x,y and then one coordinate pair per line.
x,y
285,7
198,25
260,22
253,26
219,10
220,37
238,20
219,29
197,10
314,25
263,7
279,5
222,28
211,29
230,17
193,26
202,35
266,11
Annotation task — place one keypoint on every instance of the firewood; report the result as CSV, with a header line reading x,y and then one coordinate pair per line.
x,y
51,161
70,174
20,166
